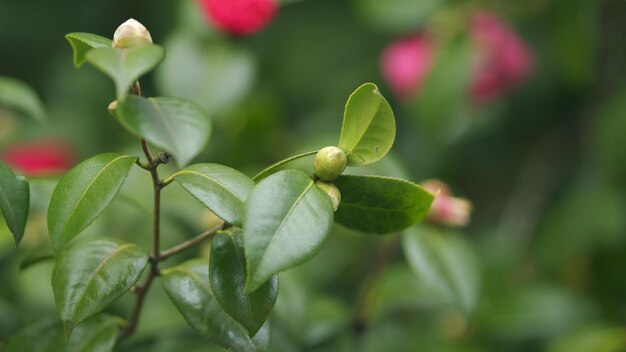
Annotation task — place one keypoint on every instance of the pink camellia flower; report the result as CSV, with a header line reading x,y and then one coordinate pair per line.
x,y
240,17
405,64
40,158
503,61
446,209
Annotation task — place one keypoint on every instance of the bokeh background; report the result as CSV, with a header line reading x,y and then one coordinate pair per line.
x,y
543,161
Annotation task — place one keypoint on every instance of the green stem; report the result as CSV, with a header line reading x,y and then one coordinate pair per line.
x,y
268,170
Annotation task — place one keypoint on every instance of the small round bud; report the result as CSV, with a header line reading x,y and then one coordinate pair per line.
x,y
332,191
112,107
131,34
329,163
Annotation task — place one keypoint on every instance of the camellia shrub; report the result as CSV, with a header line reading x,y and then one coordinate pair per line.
x,y
267,224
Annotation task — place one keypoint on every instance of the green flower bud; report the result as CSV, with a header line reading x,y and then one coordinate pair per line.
x,y
112,107
131,34
332,191
329,163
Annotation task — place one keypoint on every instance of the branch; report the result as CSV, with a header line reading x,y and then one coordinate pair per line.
x,y
192,242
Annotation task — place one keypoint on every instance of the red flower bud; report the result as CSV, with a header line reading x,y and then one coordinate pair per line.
x,y
241,17
40,158
445,209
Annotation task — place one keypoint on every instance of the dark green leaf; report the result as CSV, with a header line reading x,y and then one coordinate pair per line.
x,y
14,201
227,275
189,289
222,189
18,95
369,127
83,193
380,205
125,66
444,264
176,125
91,273
83,42
287,221
97,334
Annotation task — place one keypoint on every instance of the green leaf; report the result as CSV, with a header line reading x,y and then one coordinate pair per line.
x,y
91,273
96,334
287,220
369,127
398,16
17,95
83,42
176,125
14,201
380,205
125,66
83,193
222,189
444,264
188,287
227,275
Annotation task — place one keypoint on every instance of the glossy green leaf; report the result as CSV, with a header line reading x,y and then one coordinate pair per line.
x,y
444,264
14,201
125,66
369,127
227,275
188,287
222,189
17,95
380,205
83,42
91,273
176,125
83,193
287,221
97,334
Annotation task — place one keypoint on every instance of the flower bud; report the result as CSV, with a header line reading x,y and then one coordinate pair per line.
x,y
329,163
112,107
445,209
131,34
332,191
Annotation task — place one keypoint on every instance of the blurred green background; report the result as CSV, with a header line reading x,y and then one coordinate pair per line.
x,y
541,266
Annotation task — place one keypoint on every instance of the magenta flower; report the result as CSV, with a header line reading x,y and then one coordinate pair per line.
x,y
40,158
241,17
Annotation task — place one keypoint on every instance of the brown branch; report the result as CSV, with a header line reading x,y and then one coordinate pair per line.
x,y
192,242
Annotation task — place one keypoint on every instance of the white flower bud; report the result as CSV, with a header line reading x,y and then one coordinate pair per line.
x,y
131,34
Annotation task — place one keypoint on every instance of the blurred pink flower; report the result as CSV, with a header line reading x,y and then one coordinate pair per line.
x,y
42,157
242,17
405,64
446,209
502,60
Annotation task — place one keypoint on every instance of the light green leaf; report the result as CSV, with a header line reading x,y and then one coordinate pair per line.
x,y
444,264
176,125
83,42
380,205
287,220
369,127
17,95
83,193
14,201
92,273
125,66
188,287
222,189
227,275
